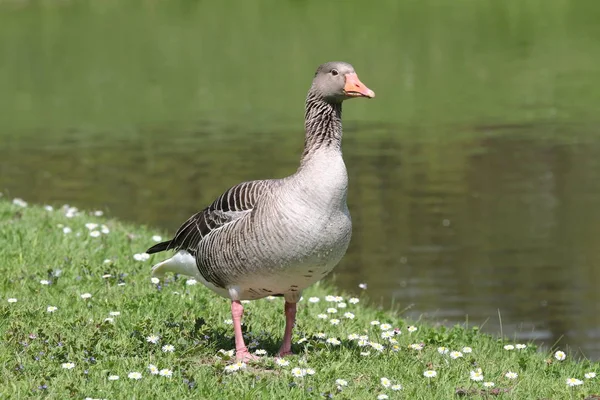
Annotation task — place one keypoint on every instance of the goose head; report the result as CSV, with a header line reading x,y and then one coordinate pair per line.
x,y
337,81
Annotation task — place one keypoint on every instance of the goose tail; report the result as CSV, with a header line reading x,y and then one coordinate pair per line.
x,y
182,263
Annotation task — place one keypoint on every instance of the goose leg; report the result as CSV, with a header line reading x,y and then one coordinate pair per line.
x,y
290,320
241,351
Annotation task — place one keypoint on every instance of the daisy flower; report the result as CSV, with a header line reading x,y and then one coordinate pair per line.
x,y
411,328
95,234
385,327
114,313
488,384
416,346
374,323
153,339
298,372
511,375
153,369
377,346
134,375
560,355
310,371
455,354
191,282
385,382
349,315
231,368
443,350
51,308
430,373
67,230
166,372
363,286
332,310
44,282
509,347
590,375
387,334
520,346
86,296
382,397
467,350
353,300
322,316
574,382
476,375
341,382
320,335
91,226
155,280
260,352
113,377
314,299
157,238
365,353
330,298
396,387
352,336
342,305
168,348
141,257
68,365
281,362
228,322
333,341
334,321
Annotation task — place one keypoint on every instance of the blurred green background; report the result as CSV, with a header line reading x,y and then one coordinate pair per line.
x,y
473,174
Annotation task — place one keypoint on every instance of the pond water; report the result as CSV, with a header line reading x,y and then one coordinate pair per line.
x,y
474,183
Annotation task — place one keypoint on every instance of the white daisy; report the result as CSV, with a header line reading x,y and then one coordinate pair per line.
x,y
520,346
455,354
68,365
590,375
334,321
191,282
95,234
488,384
511,375
467,350
574,382
396,387
157,238
166,372
509,347
476,375
382,397
51,309
430,373
113,377
341,382
333,341
322,316
168,348
153,369
560,355
86,296
44,282
349,315
281,362
332,310
155,280
353,300
114,313
298,372
385,327
374,323
141,257
314,300
153,339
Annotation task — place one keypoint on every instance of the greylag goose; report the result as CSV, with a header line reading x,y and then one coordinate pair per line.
x,y
278,236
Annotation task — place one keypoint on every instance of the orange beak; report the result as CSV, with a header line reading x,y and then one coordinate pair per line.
x,y
355,88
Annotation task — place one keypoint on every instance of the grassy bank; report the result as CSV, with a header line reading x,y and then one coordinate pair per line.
x,y
78,308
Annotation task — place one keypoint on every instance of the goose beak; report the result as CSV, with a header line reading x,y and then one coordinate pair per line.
x,y
355,88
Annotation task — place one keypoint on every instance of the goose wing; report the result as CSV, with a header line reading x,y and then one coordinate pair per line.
x,y
227,208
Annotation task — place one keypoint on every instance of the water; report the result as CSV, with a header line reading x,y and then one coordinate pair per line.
x,y
473,173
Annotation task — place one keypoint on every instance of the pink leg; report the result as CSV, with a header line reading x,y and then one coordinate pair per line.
x,y
241,351
290,319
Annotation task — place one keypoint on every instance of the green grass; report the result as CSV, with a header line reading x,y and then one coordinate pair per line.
x,y
35,342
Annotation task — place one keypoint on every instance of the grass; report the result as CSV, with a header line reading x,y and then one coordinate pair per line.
x,y
42,266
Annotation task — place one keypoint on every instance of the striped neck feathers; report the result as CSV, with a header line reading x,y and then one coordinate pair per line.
x,y
323,125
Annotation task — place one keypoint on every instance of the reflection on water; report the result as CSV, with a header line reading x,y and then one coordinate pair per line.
x,y
474,182
459,230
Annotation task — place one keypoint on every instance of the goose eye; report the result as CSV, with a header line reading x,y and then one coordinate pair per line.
x,y
334,72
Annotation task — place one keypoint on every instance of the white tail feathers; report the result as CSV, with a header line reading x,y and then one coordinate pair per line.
x,y
182,263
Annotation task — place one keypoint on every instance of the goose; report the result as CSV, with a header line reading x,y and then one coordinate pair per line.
x,y
276,237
